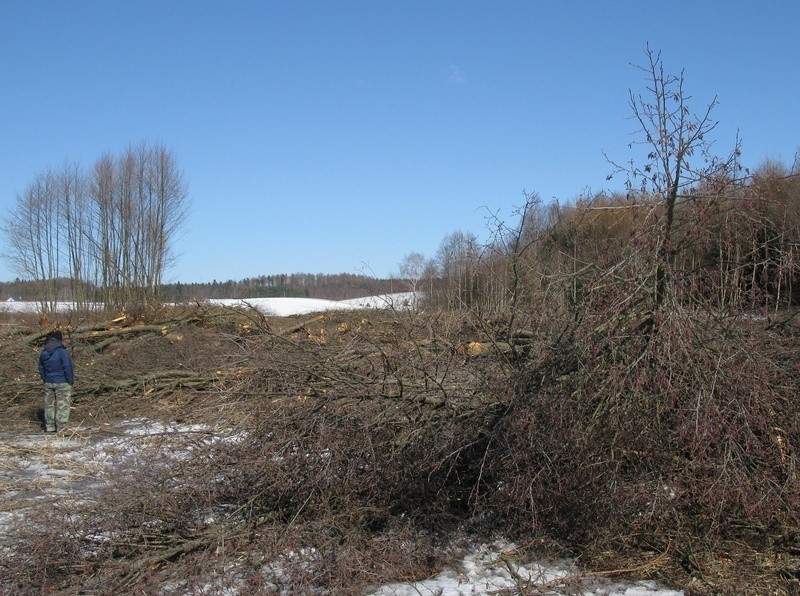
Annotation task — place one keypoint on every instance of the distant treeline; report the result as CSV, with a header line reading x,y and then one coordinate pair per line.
x,y
336,286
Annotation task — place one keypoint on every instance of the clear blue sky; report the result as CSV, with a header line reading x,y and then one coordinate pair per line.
x,y
339,136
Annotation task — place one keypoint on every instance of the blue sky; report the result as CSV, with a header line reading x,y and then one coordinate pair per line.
x,y
339,136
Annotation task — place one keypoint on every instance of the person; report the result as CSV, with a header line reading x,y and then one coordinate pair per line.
x,y
55,368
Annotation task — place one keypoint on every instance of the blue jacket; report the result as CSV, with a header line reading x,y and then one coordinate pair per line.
x,y
55,364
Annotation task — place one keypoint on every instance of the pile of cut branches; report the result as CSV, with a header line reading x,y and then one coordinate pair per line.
x,y
353,437
361,443
670,431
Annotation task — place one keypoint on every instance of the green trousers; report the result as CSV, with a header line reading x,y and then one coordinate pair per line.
x,y
57,400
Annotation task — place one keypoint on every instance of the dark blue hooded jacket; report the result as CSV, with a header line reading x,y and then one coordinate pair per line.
x,y
55,364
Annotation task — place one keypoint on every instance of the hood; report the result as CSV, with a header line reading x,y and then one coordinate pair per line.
x,y
52,344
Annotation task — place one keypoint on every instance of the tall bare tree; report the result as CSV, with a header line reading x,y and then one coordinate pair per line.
x,y
412,269
104,234
679,152
73,220
32,229
140,202
111,230
458,258
167,210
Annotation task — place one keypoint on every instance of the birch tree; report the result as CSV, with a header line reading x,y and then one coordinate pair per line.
x,y
109,231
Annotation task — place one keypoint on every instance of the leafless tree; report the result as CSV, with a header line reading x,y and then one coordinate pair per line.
x,y
33,233
458,258
140,202
679,152
104,234
111,230
73,219
412,269
167,209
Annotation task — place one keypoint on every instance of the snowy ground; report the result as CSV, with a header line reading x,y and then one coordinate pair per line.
x,y
494,569
281,307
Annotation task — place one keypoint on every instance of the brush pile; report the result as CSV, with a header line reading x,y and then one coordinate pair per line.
x,y
349,449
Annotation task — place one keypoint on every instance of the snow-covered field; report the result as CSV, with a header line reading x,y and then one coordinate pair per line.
x,y
281,307
284,307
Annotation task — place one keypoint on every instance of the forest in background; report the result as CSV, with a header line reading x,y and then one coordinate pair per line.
x,y
340,286
726,242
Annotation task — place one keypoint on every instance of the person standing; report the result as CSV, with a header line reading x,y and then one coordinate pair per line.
x,y
55,368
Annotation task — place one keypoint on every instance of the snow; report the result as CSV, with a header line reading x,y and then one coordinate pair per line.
x,y
493,569
281,307
284,307
33,307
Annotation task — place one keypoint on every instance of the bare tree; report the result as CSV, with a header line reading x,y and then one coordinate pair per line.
x,y
73,218
412,269
515,269
104,235
140,202
33,233
167,209
111,230
679,156
458,258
